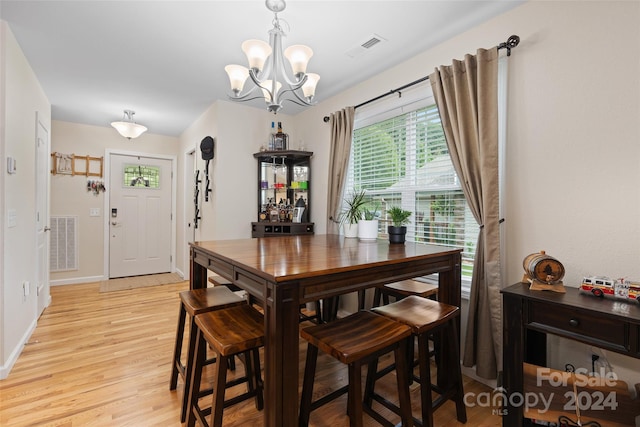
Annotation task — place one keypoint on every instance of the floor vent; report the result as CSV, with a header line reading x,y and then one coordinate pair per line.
x,y
63,246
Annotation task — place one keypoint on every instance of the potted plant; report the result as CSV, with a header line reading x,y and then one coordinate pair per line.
x,y
352,213
368,226
399,218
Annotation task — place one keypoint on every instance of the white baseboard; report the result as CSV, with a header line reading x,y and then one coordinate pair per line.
x,y
90,279
471,373
180,273
6,368
77,280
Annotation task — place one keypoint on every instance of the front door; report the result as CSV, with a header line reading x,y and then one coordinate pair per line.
x,y
42,215
139,215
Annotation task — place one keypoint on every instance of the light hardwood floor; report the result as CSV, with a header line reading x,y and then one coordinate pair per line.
x,y
104,359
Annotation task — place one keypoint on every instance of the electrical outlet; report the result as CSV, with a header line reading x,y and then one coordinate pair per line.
x,y
94,212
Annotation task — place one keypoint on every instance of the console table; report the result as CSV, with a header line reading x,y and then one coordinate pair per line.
x,y
528,316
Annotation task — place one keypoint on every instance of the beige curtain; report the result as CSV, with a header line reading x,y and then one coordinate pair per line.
x,y
467,97
341,132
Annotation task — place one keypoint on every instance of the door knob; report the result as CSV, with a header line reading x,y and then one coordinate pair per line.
x,y
47,228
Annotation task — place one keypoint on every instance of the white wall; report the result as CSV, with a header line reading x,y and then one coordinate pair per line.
x,y
573,157
239,132
69,195
21,98
573,151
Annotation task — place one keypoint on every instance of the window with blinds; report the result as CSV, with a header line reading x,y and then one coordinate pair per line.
x,y
401,159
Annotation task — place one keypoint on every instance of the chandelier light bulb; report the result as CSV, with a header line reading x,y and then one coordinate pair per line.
x,y
268,86
309,87
257,52
238,75
298,56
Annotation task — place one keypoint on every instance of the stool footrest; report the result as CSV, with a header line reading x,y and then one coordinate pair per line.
x,y
329,397
390,406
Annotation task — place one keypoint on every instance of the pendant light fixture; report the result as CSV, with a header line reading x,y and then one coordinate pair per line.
x,y
127,127
267,69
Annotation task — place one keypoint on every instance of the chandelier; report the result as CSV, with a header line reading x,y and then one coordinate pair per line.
x,y
127,127
267,70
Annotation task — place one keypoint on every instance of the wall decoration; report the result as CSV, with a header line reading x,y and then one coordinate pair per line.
x,y
71,164
62,163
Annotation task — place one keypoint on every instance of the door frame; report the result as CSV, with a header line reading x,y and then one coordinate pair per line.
x,y
107,196
43,301
189,166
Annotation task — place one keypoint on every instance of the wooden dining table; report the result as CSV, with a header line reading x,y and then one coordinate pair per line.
x,y
285,272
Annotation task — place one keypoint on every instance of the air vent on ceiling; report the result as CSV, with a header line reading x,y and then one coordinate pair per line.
x,y
365,45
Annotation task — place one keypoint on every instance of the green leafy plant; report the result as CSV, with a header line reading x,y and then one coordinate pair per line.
x,y
353,210
399,216
370,214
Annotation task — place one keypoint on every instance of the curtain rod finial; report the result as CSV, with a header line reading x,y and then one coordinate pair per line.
x,y
511,42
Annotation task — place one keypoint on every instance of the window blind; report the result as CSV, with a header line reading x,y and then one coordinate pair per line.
x,y
400,157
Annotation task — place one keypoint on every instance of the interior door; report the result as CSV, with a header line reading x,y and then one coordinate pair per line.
x,y
42,215
139,215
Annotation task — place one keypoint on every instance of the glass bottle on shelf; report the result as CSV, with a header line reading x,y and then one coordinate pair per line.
x,y
273,212
272,133
280,139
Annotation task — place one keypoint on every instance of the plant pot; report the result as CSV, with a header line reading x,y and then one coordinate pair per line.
x,y
350,230
368,230
396,234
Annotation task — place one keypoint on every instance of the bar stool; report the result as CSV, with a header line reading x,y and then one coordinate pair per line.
x,y
399,290
194,302
403,289
316,317
216,280
355,340
424,317
231,331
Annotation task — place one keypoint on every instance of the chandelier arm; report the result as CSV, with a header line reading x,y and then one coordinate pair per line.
x,y
296,102
301,99
266,70
245,95
275,37
280,69
258,84
294,85
244,98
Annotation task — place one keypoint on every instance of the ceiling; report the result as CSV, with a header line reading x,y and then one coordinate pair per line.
x,y
165,59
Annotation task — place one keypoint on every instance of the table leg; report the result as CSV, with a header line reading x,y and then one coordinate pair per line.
x,y
197,275
281,355
449,286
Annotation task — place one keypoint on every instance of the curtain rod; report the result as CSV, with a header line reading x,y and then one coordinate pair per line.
x,y
511,42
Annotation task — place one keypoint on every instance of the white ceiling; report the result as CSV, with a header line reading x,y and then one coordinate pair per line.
x,y
165,59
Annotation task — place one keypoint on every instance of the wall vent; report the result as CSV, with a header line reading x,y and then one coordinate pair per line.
x,y
365,45
63,243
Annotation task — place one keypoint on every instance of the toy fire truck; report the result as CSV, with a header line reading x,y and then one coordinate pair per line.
x,y
601,286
